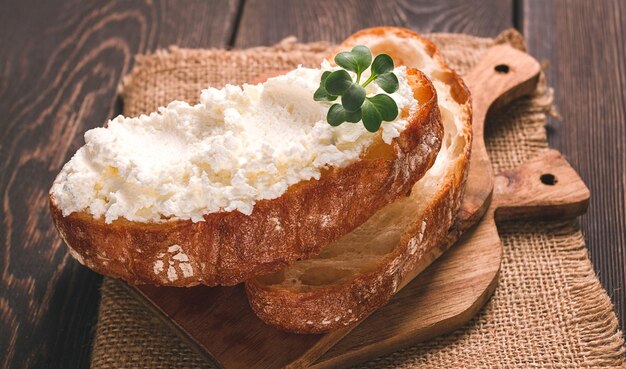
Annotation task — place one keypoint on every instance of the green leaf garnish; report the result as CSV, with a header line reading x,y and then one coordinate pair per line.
x,y
353,98
382,64
324,76
388,82
338,82
357,60
321,94
376,109
337,115
385,105
355,105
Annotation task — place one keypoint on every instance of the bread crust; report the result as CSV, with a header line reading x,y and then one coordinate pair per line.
x,y
230,247
329,307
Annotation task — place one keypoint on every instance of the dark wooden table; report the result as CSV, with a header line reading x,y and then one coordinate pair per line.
x,y
61,62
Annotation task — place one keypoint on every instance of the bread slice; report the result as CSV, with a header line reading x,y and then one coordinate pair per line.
x,y
228,247
362,270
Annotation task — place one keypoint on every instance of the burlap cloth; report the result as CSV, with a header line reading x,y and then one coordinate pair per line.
x,y
549,309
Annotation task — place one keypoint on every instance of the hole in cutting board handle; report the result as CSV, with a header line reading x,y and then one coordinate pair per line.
x,y
502,68
548,179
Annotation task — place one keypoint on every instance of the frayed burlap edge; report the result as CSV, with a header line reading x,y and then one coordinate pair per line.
x,y
175,59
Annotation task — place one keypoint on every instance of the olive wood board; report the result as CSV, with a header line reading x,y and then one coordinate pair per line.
x,y
219,323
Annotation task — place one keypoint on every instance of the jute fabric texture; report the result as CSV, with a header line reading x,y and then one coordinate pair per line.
x,y
549,309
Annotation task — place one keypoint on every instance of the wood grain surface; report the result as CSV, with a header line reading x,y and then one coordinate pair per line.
x,y
335,20
60,63
585,45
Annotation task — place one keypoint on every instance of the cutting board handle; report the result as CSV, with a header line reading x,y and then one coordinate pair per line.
x,y
545,187
502,75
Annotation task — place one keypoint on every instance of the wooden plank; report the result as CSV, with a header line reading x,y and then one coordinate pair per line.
x,y
60,64
266,22
585,45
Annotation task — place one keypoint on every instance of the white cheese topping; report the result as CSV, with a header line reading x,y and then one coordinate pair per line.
x,y
240,144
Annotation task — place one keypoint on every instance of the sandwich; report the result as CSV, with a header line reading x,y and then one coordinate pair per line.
x,y
320,189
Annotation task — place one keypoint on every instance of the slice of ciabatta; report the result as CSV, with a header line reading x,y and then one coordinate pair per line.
x,y
247,181
362,270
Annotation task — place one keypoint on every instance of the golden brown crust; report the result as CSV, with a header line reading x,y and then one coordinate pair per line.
x,y
324,309
230,247
328,307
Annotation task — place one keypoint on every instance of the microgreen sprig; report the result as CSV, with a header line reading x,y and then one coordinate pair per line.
x,y
355,104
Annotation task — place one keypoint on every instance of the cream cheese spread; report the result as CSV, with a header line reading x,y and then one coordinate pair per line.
x,y
238,145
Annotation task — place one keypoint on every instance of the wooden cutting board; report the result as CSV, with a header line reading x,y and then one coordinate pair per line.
x,y
221,325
